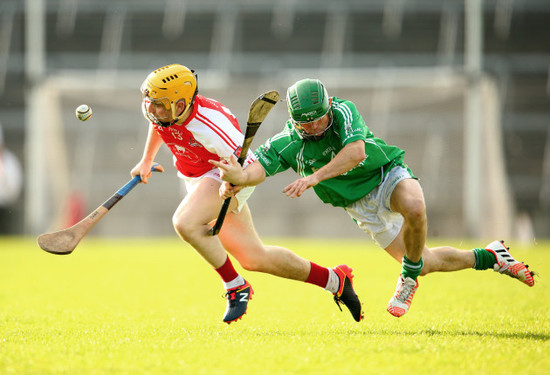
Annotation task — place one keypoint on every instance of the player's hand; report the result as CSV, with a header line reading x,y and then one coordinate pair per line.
x,y
144,170
230,170
297,188
227,190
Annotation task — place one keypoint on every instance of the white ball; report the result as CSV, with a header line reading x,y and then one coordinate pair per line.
x,y
83,112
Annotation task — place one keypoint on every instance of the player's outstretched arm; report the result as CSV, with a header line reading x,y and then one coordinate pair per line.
x,y
296,188
348,158
152,145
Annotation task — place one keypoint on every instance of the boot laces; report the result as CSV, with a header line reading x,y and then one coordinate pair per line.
x,y
405,291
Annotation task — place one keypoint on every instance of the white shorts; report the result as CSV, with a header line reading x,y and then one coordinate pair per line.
x,y
242,196
373,214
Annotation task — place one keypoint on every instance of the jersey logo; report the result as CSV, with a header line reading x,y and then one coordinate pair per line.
x,y
182,152
347,127
193,142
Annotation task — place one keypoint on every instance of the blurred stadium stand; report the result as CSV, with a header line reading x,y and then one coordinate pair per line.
x,y
255,38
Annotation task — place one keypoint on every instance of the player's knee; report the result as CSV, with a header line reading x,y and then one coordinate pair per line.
x,y
415,214
250,265
183,227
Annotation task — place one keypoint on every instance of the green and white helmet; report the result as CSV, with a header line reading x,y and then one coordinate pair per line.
x,y
307,101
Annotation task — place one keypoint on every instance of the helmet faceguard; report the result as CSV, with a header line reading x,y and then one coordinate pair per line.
x,y
163,89
299,126
308,102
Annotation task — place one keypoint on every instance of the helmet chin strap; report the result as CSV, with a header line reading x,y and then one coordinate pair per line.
x,y
165,124
182,115
314,138
176,119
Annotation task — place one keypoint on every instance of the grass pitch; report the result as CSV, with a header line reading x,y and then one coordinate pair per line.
x,y
153,306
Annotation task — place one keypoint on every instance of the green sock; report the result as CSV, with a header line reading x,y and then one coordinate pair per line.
x,y
484,259
410,268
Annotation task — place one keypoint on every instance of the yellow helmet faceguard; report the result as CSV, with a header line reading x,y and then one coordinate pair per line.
x,y
165,87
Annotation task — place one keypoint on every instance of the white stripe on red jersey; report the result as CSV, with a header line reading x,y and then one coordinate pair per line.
x,y
210,133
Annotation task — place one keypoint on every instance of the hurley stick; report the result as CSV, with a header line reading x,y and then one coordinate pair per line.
x,y
64,241
259,109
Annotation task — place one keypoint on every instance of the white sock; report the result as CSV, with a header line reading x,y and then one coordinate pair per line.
x,y
333,283
237,281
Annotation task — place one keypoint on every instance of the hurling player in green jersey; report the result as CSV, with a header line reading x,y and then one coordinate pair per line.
x,y
328,144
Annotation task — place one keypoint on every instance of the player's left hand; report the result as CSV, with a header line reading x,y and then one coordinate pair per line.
x,y
297,188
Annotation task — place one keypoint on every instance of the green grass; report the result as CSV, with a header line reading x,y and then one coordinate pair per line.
x,y
153,306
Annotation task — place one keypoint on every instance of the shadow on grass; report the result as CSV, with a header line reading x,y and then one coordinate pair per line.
x,y
425,332
500,335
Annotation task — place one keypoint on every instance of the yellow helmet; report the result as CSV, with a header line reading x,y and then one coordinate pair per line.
x,y
167,86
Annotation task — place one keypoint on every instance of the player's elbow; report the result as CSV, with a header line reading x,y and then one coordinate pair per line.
x,y
355,152
260,178
255,174
358,155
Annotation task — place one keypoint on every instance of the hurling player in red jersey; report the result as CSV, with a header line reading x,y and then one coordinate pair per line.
x,y
197,129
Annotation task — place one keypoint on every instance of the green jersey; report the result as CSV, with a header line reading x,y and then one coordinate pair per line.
x,y
288,149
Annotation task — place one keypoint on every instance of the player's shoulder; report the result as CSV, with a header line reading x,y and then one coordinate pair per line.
x,y
285,138
206,102
287,134
342,107
208,108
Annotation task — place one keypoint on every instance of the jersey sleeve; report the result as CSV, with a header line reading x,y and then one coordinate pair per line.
x,y
270,157
217,130
351,126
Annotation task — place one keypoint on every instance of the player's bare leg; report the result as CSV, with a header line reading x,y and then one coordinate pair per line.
x,y
408,199
191,222
240,239
436,259
448,259
192,217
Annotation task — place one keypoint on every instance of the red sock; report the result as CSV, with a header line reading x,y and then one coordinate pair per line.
x,y
227,271
318,275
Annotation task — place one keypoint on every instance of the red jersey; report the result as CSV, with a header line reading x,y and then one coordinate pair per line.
x,y
210,133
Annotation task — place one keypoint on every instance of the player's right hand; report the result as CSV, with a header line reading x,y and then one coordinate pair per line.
x,y
227,190
298,187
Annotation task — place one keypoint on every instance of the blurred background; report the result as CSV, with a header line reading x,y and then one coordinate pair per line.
x,y
462,85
